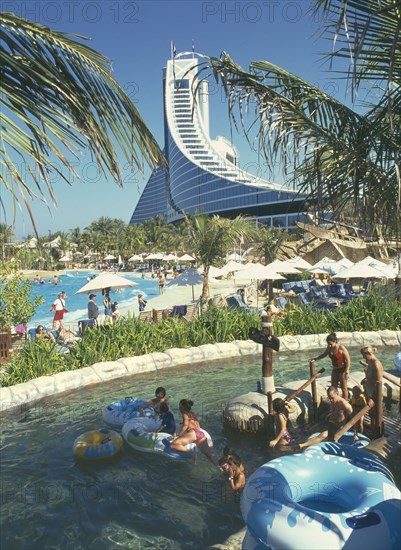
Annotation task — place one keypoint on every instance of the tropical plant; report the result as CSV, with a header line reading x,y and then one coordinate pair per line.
x,y
6,236
268,241
378,310
340,157
16,305
58,96
210,238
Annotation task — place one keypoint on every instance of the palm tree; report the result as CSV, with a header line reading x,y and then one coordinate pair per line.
x,y
338,156
210,238
6,236
268,241
58,97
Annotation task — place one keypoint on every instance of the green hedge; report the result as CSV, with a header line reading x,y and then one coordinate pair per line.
x,y
128,337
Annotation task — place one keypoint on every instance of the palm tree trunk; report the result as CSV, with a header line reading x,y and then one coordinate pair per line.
x,y
205,286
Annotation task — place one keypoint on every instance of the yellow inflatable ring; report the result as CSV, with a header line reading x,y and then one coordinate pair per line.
x,y
97,445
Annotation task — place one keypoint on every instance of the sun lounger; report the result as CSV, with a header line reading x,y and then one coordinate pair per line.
x,y
192,312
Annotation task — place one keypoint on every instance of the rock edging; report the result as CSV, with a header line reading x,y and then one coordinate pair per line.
x,y
29,392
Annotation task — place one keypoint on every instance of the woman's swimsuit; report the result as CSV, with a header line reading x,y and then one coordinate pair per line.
x,y
198,434
337,359
286,435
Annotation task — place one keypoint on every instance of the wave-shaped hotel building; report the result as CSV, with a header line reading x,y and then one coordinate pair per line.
x,y
202,175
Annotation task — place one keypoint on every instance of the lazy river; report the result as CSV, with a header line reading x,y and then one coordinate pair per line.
x,y
136,501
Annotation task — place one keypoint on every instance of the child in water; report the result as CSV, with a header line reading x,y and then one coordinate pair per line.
x,y
231,464
167,419
281,410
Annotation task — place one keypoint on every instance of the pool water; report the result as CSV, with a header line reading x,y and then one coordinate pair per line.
x,y
77,304
137,500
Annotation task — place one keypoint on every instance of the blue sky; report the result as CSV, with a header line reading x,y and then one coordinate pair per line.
x,y
136,36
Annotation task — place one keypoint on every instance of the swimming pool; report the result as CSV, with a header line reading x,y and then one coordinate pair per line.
x,y
137,501
77,305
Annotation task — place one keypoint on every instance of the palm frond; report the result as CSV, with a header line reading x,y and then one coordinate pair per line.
x,y
61,97
332,153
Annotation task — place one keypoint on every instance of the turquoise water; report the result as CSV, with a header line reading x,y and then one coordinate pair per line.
x,y
138,500
77,305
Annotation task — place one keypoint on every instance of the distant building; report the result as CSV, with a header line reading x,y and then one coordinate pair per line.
x,y
203,175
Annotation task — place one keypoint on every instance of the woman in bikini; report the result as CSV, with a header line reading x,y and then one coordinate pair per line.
x,y
155,403
191,432
340,360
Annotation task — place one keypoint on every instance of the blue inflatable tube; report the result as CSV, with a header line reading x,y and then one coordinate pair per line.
x,y
119,412
332,496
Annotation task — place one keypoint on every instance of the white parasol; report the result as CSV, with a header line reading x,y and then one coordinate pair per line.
x,y
105,280
186,258
191,277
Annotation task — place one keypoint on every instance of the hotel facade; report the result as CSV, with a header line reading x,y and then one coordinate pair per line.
x,y
202,175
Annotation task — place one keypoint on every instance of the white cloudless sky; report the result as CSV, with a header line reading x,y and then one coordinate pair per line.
x,y
136,37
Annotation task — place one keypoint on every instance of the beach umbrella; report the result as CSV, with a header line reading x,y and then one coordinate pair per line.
x,y
232,265
135,258
109,257
299,263
280,266
190,277
186,258
105,280
258,272
360,271
154,256
170,258
216,272
66,258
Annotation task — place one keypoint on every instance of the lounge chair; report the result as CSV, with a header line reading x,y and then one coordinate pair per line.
x,y
234,301
145,316
62,347
192,312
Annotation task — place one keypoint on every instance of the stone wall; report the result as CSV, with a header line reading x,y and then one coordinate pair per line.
x,y
38,388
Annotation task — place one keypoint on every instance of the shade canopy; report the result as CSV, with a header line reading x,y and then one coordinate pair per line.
x,y
170,258
186,258
232,266
258,272
105,280
360,271
279,266
66,258
190,277
135,258
299,263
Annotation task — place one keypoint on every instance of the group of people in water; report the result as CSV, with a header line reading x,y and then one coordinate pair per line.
x,y
341,407
191,432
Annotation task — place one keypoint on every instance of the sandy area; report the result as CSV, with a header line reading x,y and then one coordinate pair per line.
x,y
172,296
30,274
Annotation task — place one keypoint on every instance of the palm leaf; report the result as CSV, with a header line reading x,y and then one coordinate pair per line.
x,y
60,97
332,153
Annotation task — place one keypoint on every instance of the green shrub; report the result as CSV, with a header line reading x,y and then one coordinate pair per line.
x,y
132,337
